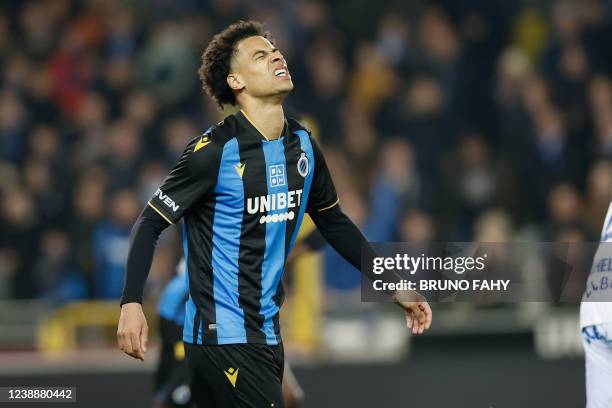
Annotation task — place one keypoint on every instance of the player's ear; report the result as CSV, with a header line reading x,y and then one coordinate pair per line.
x,y
235,82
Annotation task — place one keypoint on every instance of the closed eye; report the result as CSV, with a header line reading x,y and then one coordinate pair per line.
x,y
259,55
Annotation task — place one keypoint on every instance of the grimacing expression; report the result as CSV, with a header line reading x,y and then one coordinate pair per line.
x,y
259,69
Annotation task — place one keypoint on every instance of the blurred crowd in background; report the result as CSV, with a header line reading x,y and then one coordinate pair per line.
x,y
447,120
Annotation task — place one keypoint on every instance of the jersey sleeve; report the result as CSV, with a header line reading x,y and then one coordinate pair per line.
x,y
322,195
193,178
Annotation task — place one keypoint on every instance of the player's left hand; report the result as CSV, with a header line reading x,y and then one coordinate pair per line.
x,y
417,310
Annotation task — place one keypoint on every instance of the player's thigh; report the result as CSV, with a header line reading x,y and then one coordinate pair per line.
x,y
258,383
240,375
203,391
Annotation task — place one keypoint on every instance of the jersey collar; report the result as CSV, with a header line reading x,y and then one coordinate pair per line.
x,y
246,122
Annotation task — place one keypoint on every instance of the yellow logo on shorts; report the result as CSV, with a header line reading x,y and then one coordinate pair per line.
x,y
179,351
232,375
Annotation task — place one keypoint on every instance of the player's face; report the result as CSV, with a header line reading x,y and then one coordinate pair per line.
x,y
259,69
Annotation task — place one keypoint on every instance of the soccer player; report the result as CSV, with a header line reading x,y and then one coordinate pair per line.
x,y
242,189
596,323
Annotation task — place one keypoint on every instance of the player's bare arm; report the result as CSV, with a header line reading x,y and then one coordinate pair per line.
x,y
133,331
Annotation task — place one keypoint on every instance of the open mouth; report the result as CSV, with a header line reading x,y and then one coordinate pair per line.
x,y
281,72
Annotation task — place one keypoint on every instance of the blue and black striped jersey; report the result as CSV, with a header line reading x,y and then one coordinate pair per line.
x,y
242,199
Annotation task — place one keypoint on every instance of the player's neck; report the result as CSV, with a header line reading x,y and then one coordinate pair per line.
x,y
268,119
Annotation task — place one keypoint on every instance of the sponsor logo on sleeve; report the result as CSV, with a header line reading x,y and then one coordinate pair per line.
x,y
166,200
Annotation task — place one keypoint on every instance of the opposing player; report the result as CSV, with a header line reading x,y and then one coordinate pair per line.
x,y
596,322
242,189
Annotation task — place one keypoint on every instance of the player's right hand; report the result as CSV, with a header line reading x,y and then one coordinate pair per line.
x,y
133,331
417,310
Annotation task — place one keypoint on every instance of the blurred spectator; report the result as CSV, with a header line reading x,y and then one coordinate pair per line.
x,y
168,63
177,133
393,38
417,226
48,198
493,226
359,146
20,232
564,206
87,209
54,274
599,193
72,72
90,127
470,185
13,126
372,78
45,144
123,151
141,108
111,243
327,72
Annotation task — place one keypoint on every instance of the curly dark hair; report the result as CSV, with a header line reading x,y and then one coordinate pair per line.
x,y
217,56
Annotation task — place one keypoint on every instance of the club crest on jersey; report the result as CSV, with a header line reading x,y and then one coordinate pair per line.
x,y
302,165
277,175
